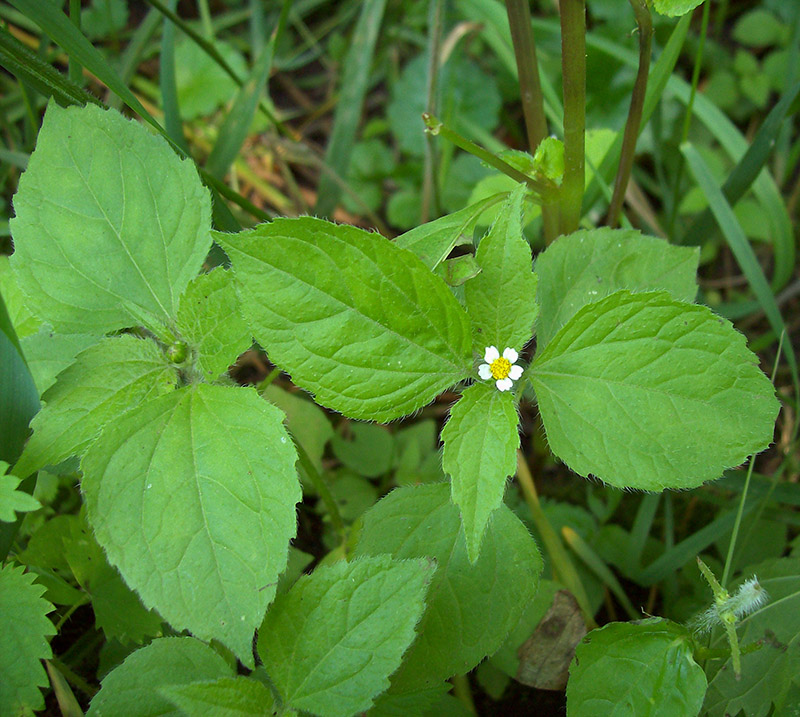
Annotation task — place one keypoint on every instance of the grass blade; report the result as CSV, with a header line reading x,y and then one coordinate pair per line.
x,y
740,247
346,118
234,129
742,177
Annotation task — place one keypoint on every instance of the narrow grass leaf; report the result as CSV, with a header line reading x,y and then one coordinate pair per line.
x,y
737,241
352,90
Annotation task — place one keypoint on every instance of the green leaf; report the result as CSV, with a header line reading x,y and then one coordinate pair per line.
x,y
225,697
106,380
647,667
331,642
203,85
209,320
24,629
587,266
432,242
192,496
306,421
673,8
118,611
480,452
134,688
48,353
13,501
357,321
370,453
457,630
768,673
646,392
23,321
501,300
110,225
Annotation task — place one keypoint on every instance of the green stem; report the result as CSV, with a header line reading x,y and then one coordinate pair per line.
x,y
429,186
205,19
740,510
687,118
530,89
560,563
322,489
542,188
573,65
645,23
74,679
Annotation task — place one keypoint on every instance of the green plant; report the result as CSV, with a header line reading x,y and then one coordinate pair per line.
x,y
189,482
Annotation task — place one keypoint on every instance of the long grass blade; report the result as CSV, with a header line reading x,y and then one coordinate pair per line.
x,y
346,118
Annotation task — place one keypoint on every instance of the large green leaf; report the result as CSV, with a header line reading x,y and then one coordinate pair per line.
x,y
646,392
433,241
135,687
357,321
105,381
210,322
771,673
24,629
480,452
225,697
331,642
192,496
48,353
501,300
587,266
110,224
471,607
637,669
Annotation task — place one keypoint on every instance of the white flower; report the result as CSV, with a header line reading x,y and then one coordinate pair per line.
x,y
500,368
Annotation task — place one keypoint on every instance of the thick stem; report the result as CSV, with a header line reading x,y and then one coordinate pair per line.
x,y
645,22
573,65
530,88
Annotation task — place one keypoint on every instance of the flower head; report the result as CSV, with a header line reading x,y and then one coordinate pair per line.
x,y
500,368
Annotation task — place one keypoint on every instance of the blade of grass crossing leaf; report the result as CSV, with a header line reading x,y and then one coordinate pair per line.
x,y
58,27
75,72
689,548
237,123
593,561
28,67
740,247
745,173
214,54
641,528
346,118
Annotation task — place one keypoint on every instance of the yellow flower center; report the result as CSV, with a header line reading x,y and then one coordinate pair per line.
x,y
500,368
